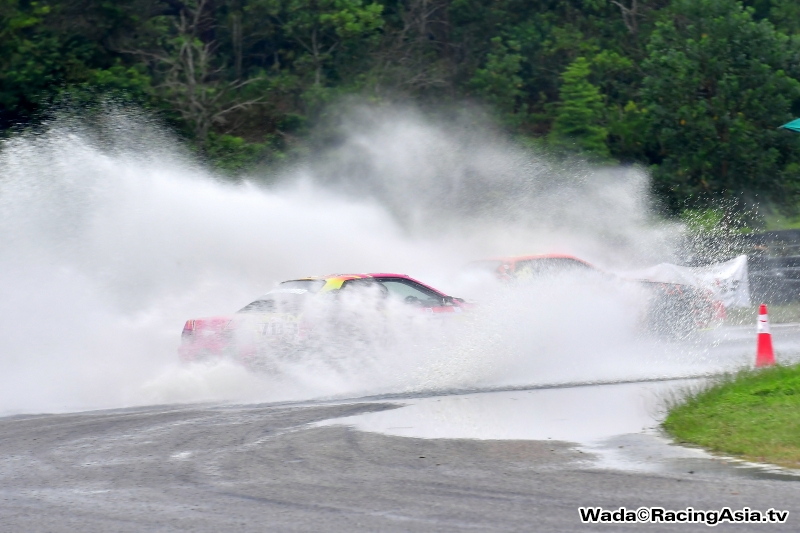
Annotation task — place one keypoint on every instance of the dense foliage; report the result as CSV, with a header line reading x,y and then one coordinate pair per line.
x,y
693,88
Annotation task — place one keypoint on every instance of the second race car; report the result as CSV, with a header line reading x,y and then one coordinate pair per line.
x,y
673,309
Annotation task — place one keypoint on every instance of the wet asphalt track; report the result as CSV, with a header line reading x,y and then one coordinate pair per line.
x,y
265,468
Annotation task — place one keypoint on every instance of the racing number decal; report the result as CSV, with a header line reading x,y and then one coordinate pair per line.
x,y
270,329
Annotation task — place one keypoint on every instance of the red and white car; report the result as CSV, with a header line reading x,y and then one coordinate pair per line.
x,y
298,312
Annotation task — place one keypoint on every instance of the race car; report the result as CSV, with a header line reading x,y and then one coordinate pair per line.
x,y
297,313
529,266
673,309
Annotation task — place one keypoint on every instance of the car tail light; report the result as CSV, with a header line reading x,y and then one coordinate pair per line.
x,y
188,329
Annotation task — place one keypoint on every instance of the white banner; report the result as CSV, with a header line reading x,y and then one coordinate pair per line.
x,y
728,281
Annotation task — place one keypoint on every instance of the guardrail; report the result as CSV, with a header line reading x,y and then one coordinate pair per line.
x,y
774,266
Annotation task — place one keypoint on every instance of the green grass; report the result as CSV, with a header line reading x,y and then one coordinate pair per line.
x,y
778,222
754,414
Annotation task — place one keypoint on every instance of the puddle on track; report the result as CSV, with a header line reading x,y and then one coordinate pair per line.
x,y
617,424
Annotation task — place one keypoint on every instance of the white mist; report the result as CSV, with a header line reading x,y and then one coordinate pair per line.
x,y
107,246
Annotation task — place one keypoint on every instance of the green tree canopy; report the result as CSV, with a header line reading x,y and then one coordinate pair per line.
x,y
579,116
717,87
691,89
499,81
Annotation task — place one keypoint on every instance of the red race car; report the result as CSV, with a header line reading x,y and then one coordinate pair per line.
x,y
296,313
674,309
529,266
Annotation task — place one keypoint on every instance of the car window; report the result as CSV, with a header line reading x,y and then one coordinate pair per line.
x,y
281,302
259,306
410,292
287,297
364,287
300,286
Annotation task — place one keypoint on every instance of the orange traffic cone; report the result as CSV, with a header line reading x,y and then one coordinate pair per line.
x,y
765,356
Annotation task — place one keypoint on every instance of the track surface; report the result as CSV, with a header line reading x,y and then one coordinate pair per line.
x,y
264,468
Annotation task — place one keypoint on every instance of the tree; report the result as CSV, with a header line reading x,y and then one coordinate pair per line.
x,y
579,115
320,27
412,56
784,14
193,77
716,89
499,81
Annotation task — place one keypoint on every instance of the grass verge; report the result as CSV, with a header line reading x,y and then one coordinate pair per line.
x,y
754,414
